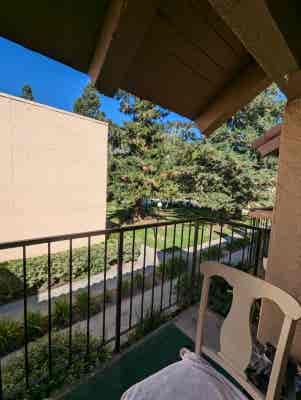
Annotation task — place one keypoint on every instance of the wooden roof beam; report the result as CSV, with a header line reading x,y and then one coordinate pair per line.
x,y
109,27
237,94
272,146
254,25
117,51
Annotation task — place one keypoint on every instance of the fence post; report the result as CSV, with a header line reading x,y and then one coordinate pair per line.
x,y
259,253
119,292
194,259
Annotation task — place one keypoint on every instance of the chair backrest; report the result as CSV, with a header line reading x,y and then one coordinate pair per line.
x,y
235,339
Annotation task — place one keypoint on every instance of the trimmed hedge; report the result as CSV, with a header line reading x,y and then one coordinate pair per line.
x,y
13,375
11,272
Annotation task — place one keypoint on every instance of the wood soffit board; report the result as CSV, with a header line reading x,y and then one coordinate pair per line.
x,y
183,56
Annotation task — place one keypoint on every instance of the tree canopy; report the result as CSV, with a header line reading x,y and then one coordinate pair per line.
x,y
88,104
27,93
152,158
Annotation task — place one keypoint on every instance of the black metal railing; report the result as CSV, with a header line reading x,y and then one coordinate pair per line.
x,y
104,284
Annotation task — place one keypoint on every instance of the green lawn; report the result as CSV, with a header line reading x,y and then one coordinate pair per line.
x,y
181,236
174,236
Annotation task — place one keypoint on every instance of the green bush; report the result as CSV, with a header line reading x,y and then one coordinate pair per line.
x,y
213,253
220,296
36,325
151,321
61,312
10,284
126,287
11,272
173,268
40,386
237,244
82,304
138,280
188,292
11,335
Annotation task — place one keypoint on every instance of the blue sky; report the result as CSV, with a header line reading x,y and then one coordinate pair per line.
x,y
52,83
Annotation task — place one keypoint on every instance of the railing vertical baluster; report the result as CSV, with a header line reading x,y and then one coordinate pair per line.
x,y
25,319
119,292
49,313
244,247
1,383
104,300
181,259
251,250
210,238
231,245
70,301
154,271
143,275
188,245
194,259
163,269
172,262
89,295
201,250
220,242
132,279
259,253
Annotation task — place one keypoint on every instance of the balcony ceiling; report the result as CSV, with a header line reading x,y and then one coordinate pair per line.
x,y
202,59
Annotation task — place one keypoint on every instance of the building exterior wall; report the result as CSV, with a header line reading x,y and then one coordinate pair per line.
x,y
284,262
53,171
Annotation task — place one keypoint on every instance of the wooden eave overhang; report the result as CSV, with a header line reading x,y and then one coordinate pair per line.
x,y
203,59
268,143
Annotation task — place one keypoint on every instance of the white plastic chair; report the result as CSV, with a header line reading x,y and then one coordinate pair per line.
x,y
235,340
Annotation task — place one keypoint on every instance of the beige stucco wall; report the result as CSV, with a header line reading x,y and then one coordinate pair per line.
x,y
53,169
284,263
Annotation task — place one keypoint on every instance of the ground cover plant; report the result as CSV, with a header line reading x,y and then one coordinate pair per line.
x,y
11,272
13,376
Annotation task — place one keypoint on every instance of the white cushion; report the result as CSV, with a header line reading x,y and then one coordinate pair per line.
x,y
192,378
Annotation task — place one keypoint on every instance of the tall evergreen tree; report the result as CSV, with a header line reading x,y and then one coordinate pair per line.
x,y
138,168
88,104
27,92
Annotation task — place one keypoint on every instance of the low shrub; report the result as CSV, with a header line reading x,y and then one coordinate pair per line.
x,y
188,292
151,321
237,244
61,313
173,268
138,280
213,253
11,272
36,325
220,296
40,385
126,287
11,335
10,284
82,304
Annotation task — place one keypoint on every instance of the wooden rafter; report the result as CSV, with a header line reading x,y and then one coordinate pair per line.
x,y
109,27
238,93
254,25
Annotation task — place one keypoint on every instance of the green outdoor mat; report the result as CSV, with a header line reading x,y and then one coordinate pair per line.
x,y
154,353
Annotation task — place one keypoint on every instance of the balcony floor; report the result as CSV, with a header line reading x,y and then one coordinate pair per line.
x,y
156,351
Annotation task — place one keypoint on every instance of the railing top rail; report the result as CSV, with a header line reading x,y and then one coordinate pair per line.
x,y
80,235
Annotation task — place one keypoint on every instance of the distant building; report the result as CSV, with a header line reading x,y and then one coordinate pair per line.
x,y
53,171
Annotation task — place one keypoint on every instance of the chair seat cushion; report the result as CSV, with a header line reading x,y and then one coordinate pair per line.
x,y
192,378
